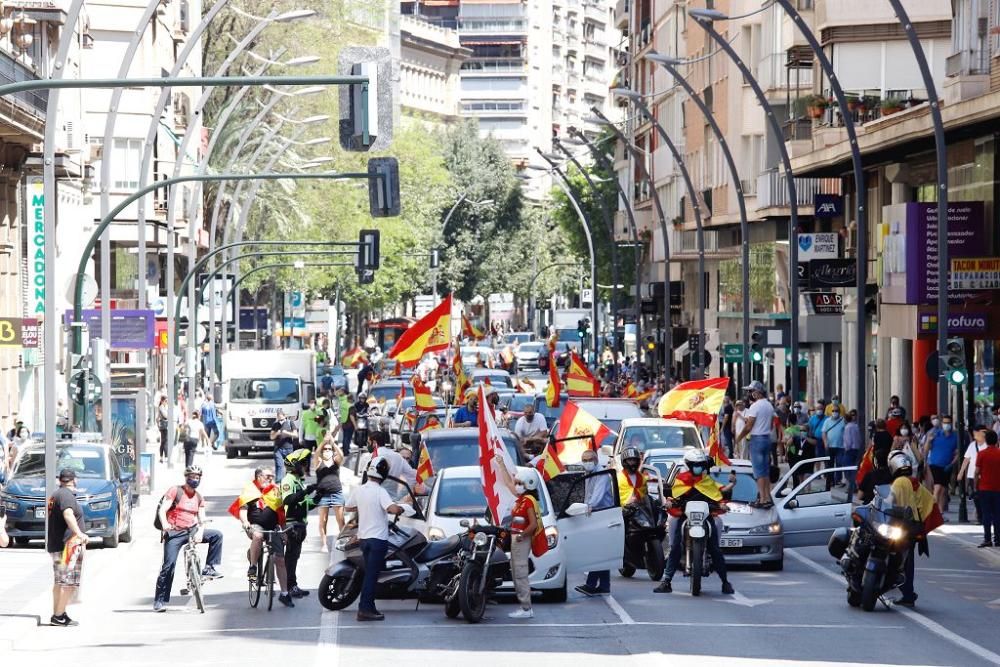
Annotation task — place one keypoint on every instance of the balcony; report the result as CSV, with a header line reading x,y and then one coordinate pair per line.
x,y
493,26
621,15
967,75
494,66
596,12
772,191
32,102
595,50
511,108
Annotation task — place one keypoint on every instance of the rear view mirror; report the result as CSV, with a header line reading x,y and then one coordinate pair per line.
x,y
576,509
464,523
792,504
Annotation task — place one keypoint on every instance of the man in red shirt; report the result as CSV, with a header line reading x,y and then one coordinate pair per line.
x,y
988,489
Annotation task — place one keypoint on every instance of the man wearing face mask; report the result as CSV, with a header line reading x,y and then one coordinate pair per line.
x,y
942,455
759,417
632,482
833,441
598,496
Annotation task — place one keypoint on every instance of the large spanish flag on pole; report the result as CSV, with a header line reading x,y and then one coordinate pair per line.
x,y
699,401
469,329
579,380
576,422
431,333
422,395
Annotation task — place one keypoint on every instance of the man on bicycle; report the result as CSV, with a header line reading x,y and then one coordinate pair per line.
x,y
261,511
181,509
297,499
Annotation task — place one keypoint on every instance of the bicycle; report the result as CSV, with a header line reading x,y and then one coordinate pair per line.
x,y
192,568
265,570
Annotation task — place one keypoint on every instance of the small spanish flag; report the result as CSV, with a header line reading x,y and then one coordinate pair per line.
x,y
555,386
575,422
269,496
422,395
867,464
431,333
548,464
469,330
630,391
397,369
402,393
424,467
432,423
715,449
354,357
579,380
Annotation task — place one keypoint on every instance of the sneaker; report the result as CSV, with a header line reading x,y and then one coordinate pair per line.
x,y
586,590
252,573
727,588
370,616
522,613
664,587
159,606
211,573
297,592
286,599
63,621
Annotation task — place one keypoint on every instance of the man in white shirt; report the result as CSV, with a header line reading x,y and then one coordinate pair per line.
x,y
967,473
372,503
531,430
759,417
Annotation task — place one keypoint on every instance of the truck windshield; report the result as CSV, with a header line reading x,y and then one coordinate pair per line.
x,y
264,390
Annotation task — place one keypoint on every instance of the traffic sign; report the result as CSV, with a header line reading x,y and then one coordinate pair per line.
x,y
82,391
803,358
732,352
586,296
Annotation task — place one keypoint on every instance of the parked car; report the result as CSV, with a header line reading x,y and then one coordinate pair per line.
x,y
594,541
104,491
386,390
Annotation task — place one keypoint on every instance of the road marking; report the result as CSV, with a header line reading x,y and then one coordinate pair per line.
x,y
756,582
327,648
619,610
915,616
743,601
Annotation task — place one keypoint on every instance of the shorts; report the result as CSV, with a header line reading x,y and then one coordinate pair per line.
x,y
68,574
940,475
276,540
332,500
760,455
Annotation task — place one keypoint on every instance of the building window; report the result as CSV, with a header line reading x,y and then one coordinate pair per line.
x,y
126,163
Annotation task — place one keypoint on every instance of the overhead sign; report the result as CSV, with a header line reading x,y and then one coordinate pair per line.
x,y
833,273
17,332
979,273
826,303
219,293
732,352
828,206
130,329
34,199
972,323
824,245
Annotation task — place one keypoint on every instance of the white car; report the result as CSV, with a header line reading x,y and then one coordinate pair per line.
x,y
656,433
577,542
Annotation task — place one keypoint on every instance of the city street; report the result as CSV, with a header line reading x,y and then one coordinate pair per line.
x,y
799,614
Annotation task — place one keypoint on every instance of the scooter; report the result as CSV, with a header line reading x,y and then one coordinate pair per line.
x,y
414,568
482,566
645,528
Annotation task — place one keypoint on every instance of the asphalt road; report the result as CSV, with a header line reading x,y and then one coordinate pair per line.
x,y
796,616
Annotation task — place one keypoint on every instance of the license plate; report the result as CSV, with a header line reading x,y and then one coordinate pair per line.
x,y
730,542
39,512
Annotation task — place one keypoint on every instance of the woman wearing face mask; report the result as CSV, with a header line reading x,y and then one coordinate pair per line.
x,y
525,525
326,463
942,455
906,442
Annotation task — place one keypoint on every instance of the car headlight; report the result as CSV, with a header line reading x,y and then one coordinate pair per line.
x,y
766,529
100,505
11,505
434,534
480,539
889,532
552,536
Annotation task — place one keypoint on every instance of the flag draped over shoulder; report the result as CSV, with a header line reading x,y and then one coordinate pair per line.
x,y
699,401
715,449
576,422
431,333
424,467
496,468
269,496
579,380
548,463
422,395
685,481
469,330
354,357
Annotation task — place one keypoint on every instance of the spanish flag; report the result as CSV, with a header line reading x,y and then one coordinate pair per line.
x,y
354,357
575,422
432,423
698,400
555,386
396,370
424,467
686,481
462,383
469,330
715,449
269,496
867,464
402,394
579,380
431,333
548,464
524,386
422,395
630,391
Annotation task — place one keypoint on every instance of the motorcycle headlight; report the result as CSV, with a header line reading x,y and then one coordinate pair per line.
x,y
552,536
434,534
766,529
889,532
480,539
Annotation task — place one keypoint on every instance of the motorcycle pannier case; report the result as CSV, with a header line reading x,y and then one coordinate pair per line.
x,y
838,542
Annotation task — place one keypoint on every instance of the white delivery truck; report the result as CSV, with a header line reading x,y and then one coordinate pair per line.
x,y
258,383
565,325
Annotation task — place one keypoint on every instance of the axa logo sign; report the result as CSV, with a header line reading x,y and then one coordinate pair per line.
x,y
828,206
826,209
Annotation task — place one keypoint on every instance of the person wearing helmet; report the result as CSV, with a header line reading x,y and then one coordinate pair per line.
x,y
297,499
526,526
759,417
372,502
468,414
632,482
181,509
908,492
695,483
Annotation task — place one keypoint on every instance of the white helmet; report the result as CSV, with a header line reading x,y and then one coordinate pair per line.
x,y
528,479
900,464
378,468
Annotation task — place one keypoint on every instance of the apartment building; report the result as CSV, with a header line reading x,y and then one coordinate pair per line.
x,y
431,59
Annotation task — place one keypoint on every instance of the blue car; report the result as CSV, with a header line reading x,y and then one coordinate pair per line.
x,y
103,490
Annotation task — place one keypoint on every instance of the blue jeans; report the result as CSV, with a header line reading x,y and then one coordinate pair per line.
x,y
677,550
989,502
172,546
374,551
279,462
836,455
760,455
850,457
600,580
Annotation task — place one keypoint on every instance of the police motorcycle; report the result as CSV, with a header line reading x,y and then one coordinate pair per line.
x,y
481,566
696,531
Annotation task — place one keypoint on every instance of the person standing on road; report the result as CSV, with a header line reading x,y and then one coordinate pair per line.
x,y
66,543
853,445
598,496
284,435
833,441
344,403
181,509
908,492
327,464
967,473
942,455
988,488
162,424
193,436
525,524
372,502
210,419
759,416
298,499
727,424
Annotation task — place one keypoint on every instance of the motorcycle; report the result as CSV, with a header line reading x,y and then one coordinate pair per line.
x,y
645,528
414,567
872,555
481,566
699,522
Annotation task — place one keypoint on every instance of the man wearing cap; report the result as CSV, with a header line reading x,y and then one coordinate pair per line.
x,y
468,414
66,542
758,418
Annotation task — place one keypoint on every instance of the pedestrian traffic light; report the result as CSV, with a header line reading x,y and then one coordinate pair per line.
x,y
383,187
366,108
368,256
756,349
953,362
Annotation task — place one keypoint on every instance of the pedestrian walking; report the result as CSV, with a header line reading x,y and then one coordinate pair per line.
x,y
66,544
285,436
987,481
942,455
210,419
597,492
967,471
193,435
162,425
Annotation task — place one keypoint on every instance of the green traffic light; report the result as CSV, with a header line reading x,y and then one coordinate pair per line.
x,y
757,356
957,376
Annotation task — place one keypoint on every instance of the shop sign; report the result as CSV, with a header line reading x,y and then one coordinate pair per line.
x,y
979,273
827,303
966,323
828,206
34,199
833,273
824,245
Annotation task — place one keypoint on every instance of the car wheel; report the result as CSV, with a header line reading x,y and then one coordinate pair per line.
x,y
231,453
773,565
126,535
556,595
111,542
21,541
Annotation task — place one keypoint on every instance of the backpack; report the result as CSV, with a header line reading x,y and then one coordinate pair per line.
x,y
163,499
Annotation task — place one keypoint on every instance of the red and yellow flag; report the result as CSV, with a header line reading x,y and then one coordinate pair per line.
x,y
715,449
269,496
525,386
867,464
431,333
507,354
462,383
469,330
630,391
432,423
579,380
397,370
698,400
424,467
548,464
685,481
422,395
402,394
555,385
354,357
574,422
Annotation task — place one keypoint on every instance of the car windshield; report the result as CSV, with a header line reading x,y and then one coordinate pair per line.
x,y
520,337
264,390
382,393
569,335
663,465
464,497
462,451
661,437
745,490
86,462
531,348
498,379
516,402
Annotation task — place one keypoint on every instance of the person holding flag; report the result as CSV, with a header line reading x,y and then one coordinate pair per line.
x,y
632,482
597,491
259,509
468,414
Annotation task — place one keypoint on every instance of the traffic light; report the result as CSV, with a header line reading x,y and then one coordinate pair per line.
x,y
650,344
583,328
366,108
756,349
953,361
383,187
368,256
435,258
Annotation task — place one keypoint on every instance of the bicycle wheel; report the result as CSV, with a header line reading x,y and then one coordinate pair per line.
x,y
255,586
269,580
194,582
